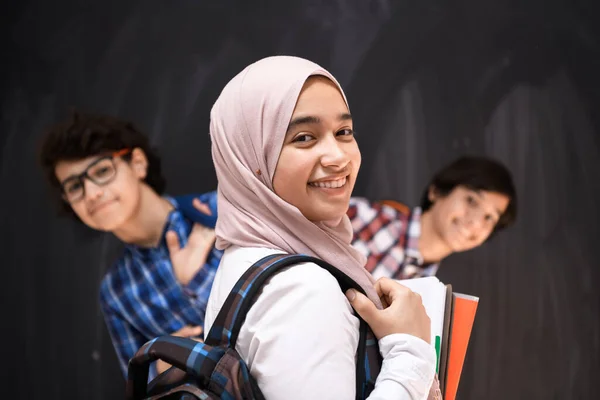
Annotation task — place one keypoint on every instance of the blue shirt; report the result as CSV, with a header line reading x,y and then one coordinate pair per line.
x,y
141,297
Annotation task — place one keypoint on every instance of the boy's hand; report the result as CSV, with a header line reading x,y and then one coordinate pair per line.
x,y
188,331
188,260
202,207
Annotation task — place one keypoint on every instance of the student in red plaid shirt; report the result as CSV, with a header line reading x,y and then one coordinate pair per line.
x,y
465,204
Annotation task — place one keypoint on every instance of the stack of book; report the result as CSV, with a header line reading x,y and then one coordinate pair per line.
x,y
452,315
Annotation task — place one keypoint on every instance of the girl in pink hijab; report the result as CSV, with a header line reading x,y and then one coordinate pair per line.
x,y
286,162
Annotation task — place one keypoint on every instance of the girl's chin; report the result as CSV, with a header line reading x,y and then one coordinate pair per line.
x,y
332,223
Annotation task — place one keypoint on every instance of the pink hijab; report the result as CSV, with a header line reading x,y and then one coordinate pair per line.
x,y
248,123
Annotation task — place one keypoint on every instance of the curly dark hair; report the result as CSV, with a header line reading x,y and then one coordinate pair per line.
x,y
476,173
85,135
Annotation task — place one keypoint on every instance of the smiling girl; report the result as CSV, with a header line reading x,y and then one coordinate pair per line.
x,y
286,160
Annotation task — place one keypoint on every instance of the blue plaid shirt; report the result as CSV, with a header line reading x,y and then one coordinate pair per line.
x,y
141,298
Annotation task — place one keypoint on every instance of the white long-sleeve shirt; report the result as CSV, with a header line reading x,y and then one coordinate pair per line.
x,y
300,337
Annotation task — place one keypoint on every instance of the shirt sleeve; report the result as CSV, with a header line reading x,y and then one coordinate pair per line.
x,y
408,368
300,340
125,338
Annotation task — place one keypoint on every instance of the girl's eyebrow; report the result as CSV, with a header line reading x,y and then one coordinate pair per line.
x,y
310,119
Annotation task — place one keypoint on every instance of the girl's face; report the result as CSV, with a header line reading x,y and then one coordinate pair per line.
x,y
319,160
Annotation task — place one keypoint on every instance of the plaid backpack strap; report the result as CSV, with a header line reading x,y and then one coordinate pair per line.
x,y
228,323
193,359
240,298
372,361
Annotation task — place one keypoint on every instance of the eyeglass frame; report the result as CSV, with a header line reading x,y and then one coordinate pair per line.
x,y
84,175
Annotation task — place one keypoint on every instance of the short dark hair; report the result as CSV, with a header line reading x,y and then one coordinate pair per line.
x,y
475,173
85,135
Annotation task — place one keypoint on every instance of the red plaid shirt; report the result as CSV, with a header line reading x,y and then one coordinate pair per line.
x,y
387,233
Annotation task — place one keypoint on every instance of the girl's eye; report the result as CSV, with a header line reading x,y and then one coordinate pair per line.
x,y
346,132
304,138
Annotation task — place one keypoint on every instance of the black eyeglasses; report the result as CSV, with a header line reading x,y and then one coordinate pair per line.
x,y
101,172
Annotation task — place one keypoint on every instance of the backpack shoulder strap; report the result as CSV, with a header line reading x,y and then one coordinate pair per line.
x,y
187,356
228,322
186,207
400,207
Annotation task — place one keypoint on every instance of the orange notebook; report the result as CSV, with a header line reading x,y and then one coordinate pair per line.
x,y
463,315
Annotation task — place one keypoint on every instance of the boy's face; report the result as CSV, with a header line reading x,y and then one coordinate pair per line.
x,y
465,218
111,202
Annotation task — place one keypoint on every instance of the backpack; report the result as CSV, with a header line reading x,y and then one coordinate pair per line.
x,y
214,369
186,206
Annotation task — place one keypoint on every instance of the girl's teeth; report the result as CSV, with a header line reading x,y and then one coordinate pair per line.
x,y
330,184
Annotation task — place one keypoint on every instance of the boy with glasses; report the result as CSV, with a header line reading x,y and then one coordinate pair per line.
x,y
110,178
